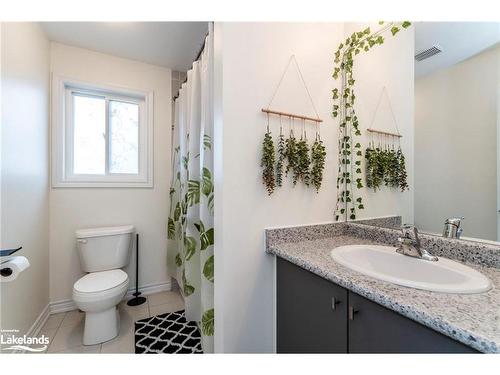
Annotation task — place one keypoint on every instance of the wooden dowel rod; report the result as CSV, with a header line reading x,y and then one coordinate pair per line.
x,y
385,133
291,115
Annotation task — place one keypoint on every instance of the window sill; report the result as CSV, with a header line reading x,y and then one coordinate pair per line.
x,y
116,185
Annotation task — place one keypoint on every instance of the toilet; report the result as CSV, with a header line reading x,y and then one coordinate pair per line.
x,y
103,252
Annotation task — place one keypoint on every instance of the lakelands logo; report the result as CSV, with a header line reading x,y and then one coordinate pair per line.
x,y
22,343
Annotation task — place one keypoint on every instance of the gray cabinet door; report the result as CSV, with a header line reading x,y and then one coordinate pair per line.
x,y
375,329
311,312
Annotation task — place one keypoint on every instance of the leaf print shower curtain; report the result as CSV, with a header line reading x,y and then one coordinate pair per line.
x,y
190,223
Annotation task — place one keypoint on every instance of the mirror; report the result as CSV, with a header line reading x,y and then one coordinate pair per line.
x,y
457,129
457,86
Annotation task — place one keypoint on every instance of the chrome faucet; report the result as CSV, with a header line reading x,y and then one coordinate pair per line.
x,y
411,246
452,228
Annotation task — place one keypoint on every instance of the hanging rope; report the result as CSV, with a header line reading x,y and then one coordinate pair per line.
x,y
293,59
384,91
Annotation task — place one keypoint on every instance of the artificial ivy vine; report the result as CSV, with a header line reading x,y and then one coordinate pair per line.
x,y
350,154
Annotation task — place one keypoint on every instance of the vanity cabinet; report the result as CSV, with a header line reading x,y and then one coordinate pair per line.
x,y
311,312
376,329
315,315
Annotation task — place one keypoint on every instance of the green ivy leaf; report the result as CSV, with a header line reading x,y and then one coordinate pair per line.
x,y
394,30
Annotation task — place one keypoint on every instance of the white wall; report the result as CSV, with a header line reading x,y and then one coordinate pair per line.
x,y
25,168
456,144
73,208
250,59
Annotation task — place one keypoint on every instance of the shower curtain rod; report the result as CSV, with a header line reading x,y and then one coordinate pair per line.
x,y
196,59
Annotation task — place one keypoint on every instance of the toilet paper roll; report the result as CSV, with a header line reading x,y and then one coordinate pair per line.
x,y
16,265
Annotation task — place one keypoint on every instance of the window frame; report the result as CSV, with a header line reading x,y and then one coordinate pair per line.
x,y
62,134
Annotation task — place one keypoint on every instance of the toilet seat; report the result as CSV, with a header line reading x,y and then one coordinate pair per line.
x,y
98,294
98,282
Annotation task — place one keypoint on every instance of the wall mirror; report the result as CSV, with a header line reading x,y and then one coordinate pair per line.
x,y
457,129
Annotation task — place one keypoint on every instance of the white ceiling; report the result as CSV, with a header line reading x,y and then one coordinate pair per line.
x,y
459,41
170,44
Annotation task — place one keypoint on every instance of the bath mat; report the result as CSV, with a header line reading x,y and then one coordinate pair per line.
x,y
167,333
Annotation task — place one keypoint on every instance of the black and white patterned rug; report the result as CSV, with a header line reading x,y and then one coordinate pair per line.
x,y
167,333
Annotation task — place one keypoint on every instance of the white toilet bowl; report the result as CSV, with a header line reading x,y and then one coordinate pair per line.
x,y
97,294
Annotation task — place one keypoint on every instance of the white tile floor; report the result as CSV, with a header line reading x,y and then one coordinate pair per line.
x,y
65,330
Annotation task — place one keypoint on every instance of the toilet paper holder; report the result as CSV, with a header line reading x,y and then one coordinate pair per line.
x,y
9,252
7,271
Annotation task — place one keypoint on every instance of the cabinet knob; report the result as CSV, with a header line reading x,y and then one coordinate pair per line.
x,y
352,311
335,302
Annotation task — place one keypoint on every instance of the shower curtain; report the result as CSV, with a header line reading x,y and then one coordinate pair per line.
x,y
190,258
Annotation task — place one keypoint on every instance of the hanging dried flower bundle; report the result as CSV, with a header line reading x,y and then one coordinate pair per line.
x,y
291,155
280,164
385,166
267,162
318,155
304,163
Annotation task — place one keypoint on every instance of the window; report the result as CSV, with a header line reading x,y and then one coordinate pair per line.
x,y
102,136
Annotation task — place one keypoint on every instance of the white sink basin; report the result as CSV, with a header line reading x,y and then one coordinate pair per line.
x,y
383,263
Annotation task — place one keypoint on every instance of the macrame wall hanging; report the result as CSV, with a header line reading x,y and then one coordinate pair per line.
x,y
294,156
385,161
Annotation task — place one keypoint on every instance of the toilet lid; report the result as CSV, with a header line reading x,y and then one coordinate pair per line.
x,y
100,281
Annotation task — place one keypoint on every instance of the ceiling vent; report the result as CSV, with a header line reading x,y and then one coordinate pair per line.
x,y
434,50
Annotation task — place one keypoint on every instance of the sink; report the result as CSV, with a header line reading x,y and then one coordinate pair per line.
x,y
383,263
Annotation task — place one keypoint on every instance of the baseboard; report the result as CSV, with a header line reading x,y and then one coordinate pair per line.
x,y
39,322
36,327
69,305
62,306
150,289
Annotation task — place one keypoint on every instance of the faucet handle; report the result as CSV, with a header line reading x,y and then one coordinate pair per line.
x,y
407,229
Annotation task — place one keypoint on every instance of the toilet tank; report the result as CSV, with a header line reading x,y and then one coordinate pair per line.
x,y
102,249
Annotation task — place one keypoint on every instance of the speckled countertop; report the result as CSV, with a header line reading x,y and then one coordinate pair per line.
x,y
473,319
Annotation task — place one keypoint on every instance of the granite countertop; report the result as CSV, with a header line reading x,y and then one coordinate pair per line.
x,y
473,319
